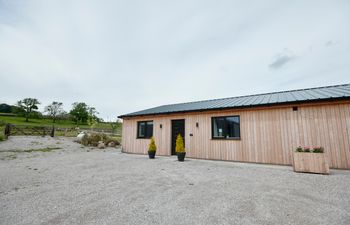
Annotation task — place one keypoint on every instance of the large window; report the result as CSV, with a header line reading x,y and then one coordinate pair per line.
x,y
145,129
227,127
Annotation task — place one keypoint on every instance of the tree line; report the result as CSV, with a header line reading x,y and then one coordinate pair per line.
x,y
27,107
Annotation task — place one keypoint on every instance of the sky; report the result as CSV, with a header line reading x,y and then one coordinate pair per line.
x,y
126,56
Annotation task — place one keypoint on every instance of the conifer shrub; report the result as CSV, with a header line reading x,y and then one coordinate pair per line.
x,y
152,147
179,144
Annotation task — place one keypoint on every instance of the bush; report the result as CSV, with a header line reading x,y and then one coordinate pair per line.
x,y
318,150
299,149
92,139
308,149
112,139
179,144
152,146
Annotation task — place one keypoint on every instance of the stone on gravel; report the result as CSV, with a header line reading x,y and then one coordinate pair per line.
x,y
81,136
101,145
111,144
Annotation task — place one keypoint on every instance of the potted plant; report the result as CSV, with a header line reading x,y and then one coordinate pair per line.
x,y
310,160
152,148
180,148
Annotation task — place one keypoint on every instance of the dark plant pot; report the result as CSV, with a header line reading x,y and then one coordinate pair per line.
x,y
151,155
181,156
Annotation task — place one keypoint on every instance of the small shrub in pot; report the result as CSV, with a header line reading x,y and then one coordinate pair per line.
x,y
180,148
152,148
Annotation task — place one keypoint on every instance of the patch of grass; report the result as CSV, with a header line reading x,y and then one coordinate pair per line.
x,y
10,157
42,149
48,149
13,156
2,133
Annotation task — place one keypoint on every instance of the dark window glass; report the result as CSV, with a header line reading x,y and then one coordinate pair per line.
x,y
149,129
145,129
142,129
226,127
219,126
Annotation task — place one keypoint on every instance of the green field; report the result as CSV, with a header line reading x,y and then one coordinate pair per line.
x,y
48,122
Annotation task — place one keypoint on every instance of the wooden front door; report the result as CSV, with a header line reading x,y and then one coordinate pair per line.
x,y
177,127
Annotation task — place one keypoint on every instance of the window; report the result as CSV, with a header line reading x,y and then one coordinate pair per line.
x,y
226,127
145,129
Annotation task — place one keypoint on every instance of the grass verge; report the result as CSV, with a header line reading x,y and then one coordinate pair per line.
x,y
2,133
33,150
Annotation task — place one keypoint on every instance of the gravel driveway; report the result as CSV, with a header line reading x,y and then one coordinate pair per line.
x,y
75,185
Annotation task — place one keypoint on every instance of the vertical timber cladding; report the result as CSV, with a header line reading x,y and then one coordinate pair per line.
x,y
268,135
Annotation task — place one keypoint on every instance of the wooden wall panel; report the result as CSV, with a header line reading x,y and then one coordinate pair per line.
x,y
268,135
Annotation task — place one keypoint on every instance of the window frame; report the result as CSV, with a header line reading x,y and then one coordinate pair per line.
x,y
225,137
138,130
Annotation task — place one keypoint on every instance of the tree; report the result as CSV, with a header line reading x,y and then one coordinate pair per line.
x,y
28,105
5,108
115,125
18,110
54,110
92,118
92,114
80,112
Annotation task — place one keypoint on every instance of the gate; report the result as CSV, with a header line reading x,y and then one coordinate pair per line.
x,y
11,130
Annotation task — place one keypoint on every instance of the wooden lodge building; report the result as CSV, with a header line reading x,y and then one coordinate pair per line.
x,y
263,128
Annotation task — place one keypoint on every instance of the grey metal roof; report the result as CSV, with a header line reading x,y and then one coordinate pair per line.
x,y
295,96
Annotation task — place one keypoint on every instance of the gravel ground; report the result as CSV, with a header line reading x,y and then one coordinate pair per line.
x,y
75,185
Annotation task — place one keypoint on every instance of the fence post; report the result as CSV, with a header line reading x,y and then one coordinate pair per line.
x,y
7,130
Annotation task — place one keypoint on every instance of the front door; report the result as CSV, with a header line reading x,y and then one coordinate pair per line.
x,y
177,127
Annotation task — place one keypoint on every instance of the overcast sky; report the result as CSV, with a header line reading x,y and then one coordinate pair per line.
x,y
125,56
